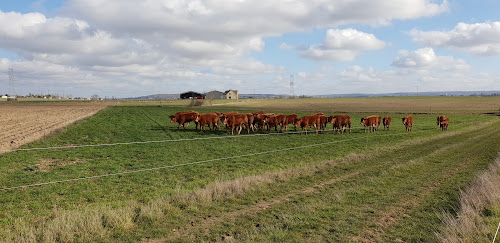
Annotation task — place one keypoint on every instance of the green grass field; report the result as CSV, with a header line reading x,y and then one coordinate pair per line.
x,y
384,186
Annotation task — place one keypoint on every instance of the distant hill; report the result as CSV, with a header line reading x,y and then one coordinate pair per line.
x,y
157,97
438,93
271,96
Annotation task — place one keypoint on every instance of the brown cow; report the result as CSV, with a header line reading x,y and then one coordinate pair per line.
x,y
378,120
307,121
290,119
181,112
208,118
236,120
322,121
408,122
223,115
370,123
444,123
260,120
340,122
439,120
387,122
184,117
275,121
251,119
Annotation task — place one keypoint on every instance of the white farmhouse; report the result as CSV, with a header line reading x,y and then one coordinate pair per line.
x,y
231,94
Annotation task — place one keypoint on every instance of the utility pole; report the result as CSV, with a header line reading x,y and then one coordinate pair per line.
x,y
292,83
12,85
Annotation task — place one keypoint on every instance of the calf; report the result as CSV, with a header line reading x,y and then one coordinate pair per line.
x,y
387,122
275,121
323,120
340,122
378,120
307,121
439,120
251,119
207,118
184,117
290,119
260,120
444,123
408,122
222,116
370,123
236,120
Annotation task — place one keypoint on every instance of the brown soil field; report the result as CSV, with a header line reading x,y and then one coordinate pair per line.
x,y
412,104
24,123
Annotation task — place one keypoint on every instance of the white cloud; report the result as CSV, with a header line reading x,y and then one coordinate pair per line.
x,y
234,24
342,45
339,45
479,38
425,59
130,46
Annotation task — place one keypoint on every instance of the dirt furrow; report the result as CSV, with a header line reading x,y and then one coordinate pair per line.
x,y
27,123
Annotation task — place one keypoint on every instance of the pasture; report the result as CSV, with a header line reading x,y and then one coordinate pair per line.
x,y
383,186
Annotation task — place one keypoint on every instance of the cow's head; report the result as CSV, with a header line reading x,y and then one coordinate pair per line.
x,y
297,122
173,118
440,119
197,118
224,119
404,120
363,120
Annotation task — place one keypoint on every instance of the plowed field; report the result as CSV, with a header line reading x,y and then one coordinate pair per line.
x,y
24,123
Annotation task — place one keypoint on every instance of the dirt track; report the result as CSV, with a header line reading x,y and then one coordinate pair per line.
x,y
24,123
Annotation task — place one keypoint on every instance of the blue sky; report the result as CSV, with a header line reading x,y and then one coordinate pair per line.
x,y
127,48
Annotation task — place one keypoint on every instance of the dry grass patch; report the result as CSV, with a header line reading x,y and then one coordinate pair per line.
x,y
469,224
46,165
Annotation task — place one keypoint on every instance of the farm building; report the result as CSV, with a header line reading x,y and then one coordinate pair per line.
x,y
192,95
214,95
231,94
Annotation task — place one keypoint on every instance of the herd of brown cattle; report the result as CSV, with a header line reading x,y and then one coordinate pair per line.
x,y
261,120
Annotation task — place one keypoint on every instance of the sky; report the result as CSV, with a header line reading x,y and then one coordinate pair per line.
x,y
130,48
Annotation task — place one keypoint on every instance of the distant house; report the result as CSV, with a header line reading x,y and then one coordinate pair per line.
x,y
192,95
214,95
231,94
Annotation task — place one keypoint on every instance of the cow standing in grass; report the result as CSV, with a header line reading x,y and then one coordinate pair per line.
x,y
443,123
210,119
387,122
439,120
236,120
308,121
370,122
184,117
340,123
290,119
408,122
323,120
275,121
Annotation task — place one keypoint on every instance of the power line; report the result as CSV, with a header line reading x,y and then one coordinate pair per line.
x,y
185,164
159,141
12,86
